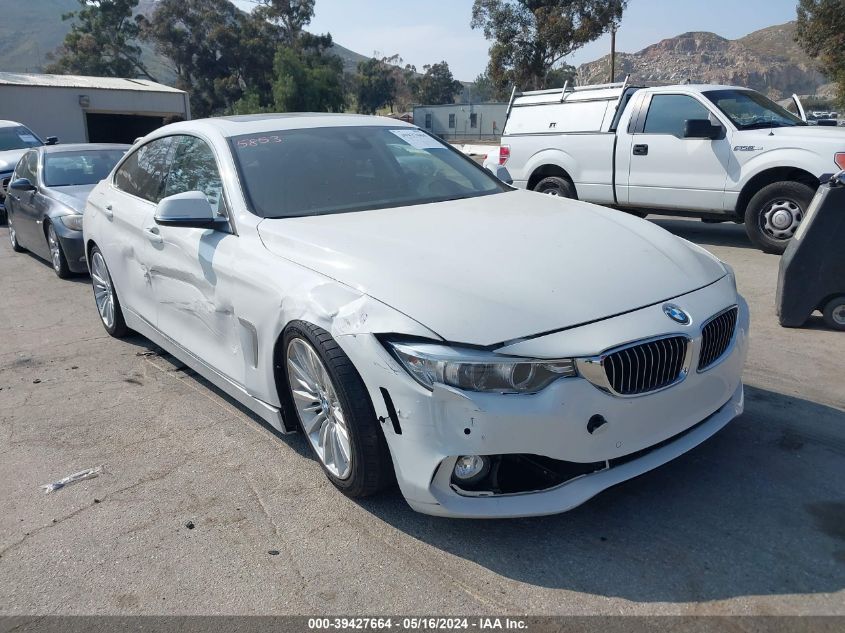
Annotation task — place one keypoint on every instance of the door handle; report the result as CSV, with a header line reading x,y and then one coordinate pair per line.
x,y
640,150
107,211
153,235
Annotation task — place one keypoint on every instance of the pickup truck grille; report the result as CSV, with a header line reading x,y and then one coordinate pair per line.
x,y
646,367
716,337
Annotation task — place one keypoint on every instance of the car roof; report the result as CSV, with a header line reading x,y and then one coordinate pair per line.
x,y
5,123
76,147
257,123
695,88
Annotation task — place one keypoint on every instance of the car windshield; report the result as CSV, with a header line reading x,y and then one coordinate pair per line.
x,y
749,110
84,167
18,137
317,171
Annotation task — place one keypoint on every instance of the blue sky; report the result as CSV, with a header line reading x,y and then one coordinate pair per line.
x,y
429,31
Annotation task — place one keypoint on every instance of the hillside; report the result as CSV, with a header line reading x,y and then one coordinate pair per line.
x,y
768,60
30,29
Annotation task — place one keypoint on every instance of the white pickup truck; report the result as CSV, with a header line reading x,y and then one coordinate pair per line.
x,y
720,153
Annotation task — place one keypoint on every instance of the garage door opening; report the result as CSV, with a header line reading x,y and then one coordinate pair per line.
x,y
119,128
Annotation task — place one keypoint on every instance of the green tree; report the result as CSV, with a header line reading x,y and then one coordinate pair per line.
x,y
437,86
482,89
308,78
217,51
376,85
531,37
291,15
820,31
102,41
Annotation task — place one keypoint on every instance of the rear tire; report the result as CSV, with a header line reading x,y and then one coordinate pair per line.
x,y
774,213
556,186
105,296
13,238
335,411
834,313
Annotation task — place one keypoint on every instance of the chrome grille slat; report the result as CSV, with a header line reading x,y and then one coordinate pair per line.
x,y
646,367
716,337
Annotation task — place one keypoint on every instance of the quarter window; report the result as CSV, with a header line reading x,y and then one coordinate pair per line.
x,y
144,173
667,114
194,169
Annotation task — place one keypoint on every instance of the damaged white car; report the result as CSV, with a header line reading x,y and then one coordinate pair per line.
x,y
498,352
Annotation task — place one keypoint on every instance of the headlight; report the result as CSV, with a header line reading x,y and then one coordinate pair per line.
x,y
475,370
73,222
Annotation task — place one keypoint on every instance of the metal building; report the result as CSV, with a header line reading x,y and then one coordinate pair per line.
x,y
89,109
462,121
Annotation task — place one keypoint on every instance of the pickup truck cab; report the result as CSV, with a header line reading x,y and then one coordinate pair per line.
x,y
721,153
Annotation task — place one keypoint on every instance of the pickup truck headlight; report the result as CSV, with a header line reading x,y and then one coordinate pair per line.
x,y
474,370
73,221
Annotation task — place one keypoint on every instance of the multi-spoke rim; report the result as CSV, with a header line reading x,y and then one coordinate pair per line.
x,y
55,249
103,291
13,238
782,218
319,409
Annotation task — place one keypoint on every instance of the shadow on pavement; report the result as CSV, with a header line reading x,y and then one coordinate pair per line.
x,y
757,510
723,234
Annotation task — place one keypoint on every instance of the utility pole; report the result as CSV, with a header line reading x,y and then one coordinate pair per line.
x,y
613,53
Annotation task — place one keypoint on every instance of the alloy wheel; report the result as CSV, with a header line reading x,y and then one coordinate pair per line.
x,y
320,412
781,219
838,315
13,238
103,289
55,249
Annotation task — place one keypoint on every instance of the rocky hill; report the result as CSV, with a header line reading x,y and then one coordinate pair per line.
x,y
768,60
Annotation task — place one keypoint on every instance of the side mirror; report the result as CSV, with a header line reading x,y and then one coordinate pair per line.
x,y
52,140
190,209
702,128
501,172
22,184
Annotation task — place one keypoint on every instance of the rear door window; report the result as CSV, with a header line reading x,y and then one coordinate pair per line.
x,y
144,172
667,114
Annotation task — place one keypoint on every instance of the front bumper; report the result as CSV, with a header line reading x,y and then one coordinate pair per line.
x,y
432,428
73,246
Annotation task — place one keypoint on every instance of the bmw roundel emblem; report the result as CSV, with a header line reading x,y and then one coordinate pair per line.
x,y
676,314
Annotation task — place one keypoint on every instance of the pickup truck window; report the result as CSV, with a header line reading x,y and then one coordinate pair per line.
x,y
667,114
748,110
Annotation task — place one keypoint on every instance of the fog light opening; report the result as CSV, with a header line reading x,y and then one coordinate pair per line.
x,y
470,469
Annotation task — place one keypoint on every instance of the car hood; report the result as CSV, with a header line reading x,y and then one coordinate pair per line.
x,y
798,135
497,268
9,159
72,196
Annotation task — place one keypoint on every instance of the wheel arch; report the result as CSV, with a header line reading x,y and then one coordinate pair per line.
x,y
547,170
770,176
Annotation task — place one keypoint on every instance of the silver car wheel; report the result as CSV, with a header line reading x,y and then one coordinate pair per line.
x,y
13,238
103,290
838,315
55,249
319,409
782,218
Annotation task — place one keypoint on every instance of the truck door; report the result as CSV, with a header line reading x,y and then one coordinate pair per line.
x,y
669,171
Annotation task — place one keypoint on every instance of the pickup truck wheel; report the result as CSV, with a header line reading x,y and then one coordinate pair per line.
x,y
834,313
555,186
774,213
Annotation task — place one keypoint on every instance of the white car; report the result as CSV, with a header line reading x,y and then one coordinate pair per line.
x,y
502,352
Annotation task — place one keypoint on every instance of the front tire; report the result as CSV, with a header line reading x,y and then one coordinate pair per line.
x,y
774,213
556,186
57,253
335,411
105,296
13,238
834,313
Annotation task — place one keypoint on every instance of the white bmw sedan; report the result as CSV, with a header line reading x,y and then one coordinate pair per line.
x,y
497,352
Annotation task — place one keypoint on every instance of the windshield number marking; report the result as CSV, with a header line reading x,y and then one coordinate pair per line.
x,y
257,141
